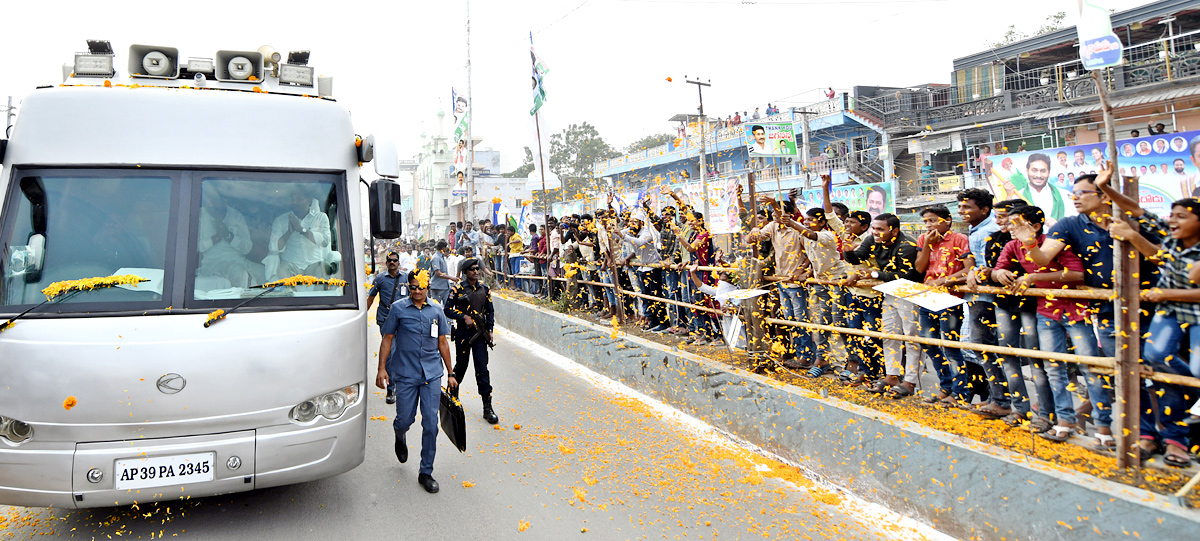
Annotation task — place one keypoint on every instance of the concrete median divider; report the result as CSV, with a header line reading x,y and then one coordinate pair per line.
x,y
961,487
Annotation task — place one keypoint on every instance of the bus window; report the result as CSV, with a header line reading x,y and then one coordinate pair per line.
x,y
253,231
95,224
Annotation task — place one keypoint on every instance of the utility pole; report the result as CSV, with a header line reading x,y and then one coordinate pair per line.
x,y
470,211
703,128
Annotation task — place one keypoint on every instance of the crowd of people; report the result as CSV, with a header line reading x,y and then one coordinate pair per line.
x,y
736,119
825,262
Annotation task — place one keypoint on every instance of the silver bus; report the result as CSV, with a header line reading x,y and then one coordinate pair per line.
x,y
205,178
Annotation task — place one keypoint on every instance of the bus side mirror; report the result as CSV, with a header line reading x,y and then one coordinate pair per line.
x,y
384,200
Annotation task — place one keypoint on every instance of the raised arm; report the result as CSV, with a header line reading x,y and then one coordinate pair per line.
x,y
1123,202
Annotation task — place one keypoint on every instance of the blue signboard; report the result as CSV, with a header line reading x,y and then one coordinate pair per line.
x,y
1099,47
1101,52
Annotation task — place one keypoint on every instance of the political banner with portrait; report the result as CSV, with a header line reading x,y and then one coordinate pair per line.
x,y
1167,167
876,198
770,139
461,121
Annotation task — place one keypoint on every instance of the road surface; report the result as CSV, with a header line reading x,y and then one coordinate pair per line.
x,y
574,456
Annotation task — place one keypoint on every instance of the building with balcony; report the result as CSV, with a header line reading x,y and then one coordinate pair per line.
x,y
832,137
1031,94
430,202
1035,94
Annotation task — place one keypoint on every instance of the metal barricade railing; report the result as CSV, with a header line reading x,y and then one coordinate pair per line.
x,y
1102,365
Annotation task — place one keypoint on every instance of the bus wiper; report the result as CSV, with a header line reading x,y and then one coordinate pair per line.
x,y
61,291
297,280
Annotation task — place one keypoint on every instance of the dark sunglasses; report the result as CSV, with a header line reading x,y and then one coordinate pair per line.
x,y
390,260
416,288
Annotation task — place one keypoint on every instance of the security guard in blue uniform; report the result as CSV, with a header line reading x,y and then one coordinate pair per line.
x,y
412,355
390,287
470,305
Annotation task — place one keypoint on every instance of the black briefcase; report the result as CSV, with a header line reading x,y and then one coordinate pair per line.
x,y
453,421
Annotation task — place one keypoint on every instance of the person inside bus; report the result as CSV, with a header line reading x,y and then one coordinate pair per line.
x,y
223,242
300,240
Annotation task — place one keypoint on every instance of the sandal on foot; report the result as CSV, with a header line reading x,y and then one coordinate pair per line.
x,y
1013,419
935,398
817,371
846,375
1105,443
879,388
899,391
1144,453
1058,433
991,411
1176,461
1039,424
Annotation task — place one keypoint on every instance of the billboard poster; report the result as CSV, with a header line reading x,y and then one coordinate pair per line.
x,y
1167,167
770,139
460,129
876,198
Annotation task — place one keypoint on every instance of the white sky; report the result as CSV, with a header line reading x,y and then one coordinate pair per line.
x,y
394,62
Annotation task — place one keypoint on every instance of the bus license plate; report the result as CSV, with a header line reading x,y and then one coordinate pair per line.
x,y
163,470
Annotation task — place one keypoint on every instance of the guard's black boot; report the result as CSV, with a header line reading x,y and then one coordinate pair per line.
x,y
401,448
489,415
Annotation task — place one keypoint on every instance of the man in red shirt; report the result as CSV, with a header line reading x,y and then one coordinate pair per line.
x,y
941,259
1058,319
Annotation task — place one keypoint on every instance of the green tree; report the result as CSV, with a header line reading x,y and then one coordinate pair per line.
x,y
1053,22
572,155
648,142
525,169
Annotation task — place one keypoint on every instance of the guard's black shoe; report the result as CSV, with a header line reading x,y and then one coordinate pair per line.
x,y
426,481
391,395
489,414
401,449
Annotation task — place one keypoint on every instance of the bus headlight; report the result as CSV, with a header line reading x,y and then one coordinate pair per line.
x,y
330,405
15,431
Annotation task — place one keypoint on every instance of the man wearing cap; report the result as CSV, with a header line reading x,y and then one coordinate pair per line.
x,y
470,306
389,287
413,355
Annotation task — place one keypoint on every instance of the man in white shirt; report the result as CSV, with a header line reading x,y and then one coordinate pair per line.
x,y
300,240
1042,193
408,263
467,237
760,145
224,241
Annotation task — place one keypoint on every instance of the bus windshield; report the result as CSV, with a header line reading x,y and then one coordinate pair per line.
x,y
253,231
86,225
241,230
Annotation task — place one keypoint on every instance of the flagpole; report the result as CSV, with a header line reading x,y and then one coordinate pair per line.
x,y
470,212
541,162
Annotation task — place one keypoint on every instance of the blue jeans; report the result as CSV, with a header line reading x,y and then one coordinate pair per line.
x,y
865,313
1053,335
1161,352
411,394
514,268
983,331
1017,329
606,277
794,301
673,291
947,362
826,312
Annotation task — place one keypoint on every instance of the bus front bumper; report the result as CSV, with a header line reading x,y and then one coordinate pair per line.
x,y
53,474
